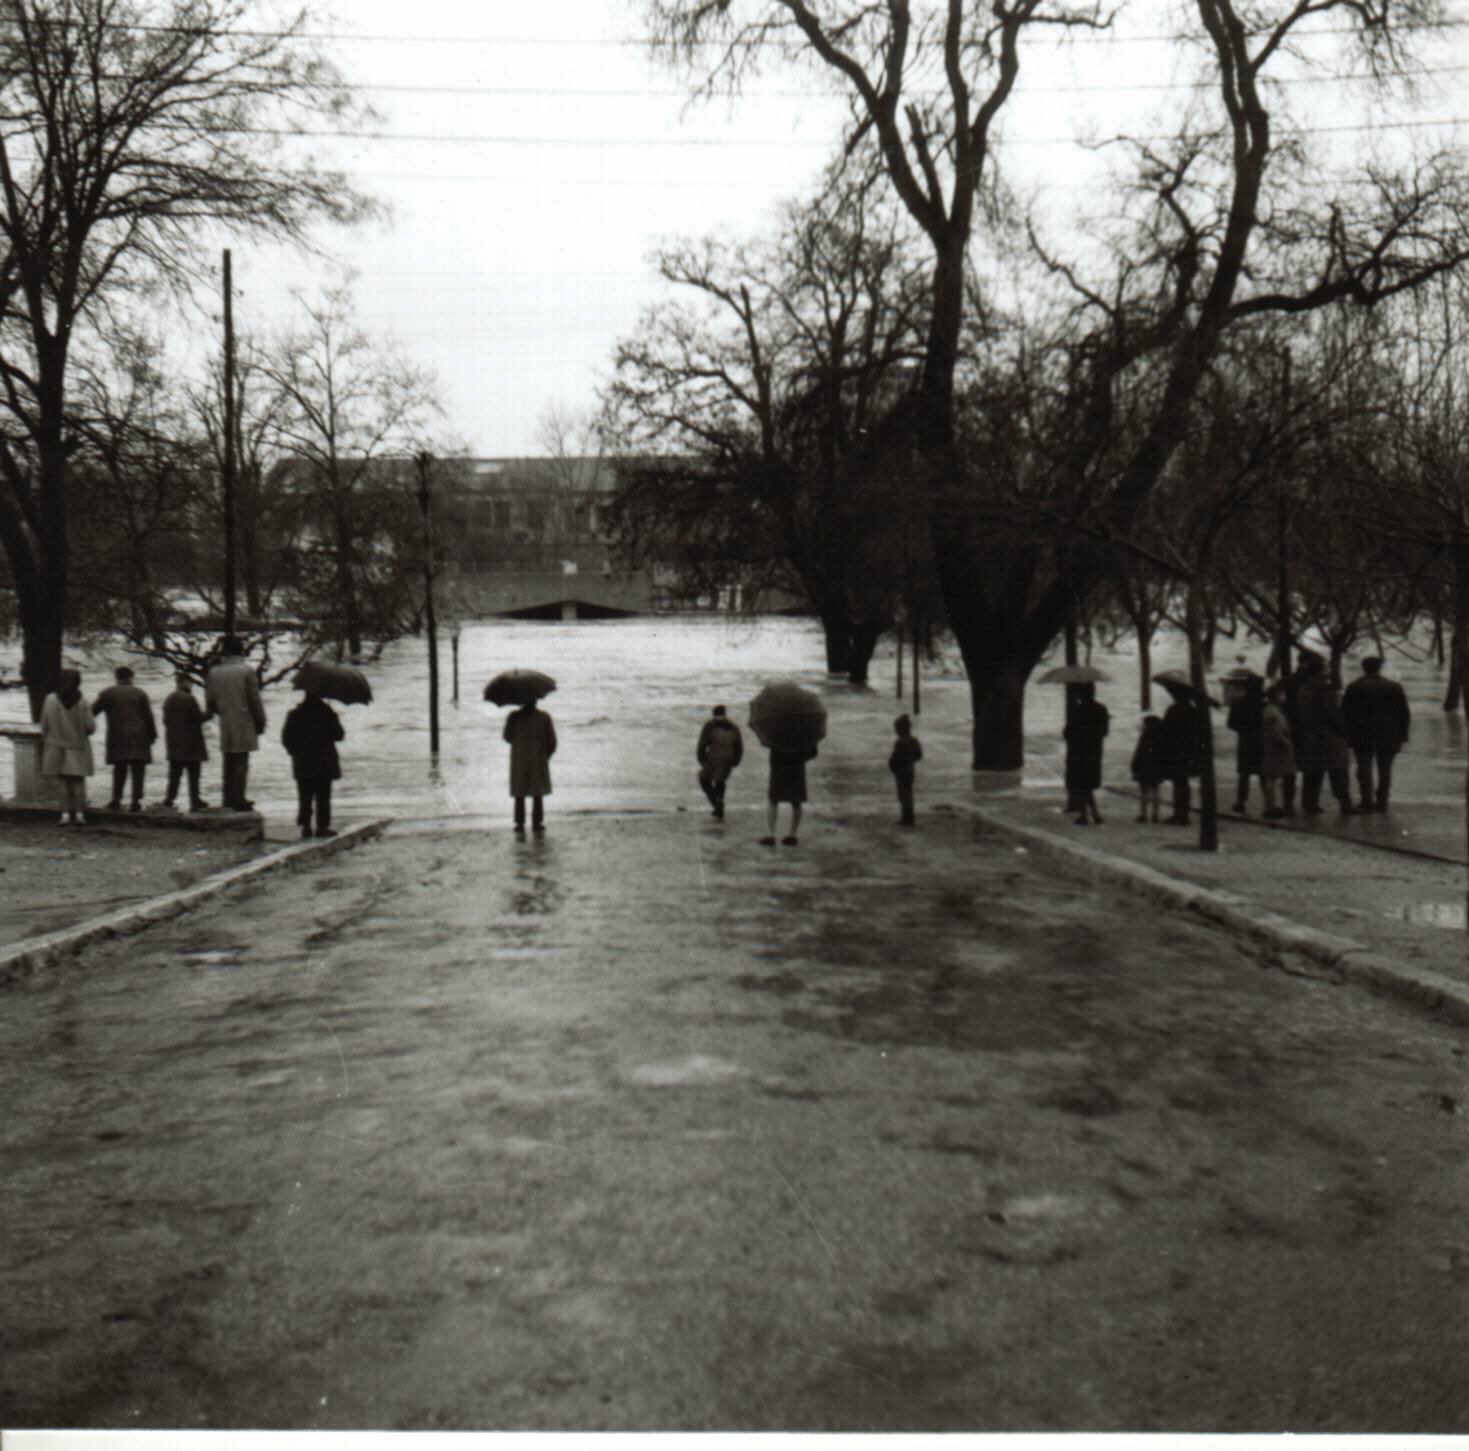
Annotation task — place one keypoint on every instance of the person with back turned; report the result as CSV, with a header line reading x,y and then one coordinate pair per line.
x,y
232,693
721,748
1377,716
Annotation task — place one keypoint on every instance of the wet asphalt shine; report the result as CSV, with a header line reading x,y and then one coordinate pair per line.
x,y
641,1125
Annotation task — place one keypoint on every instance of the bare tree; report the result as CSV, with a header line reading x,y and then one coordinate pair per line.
x,y
126,128
1221,232
354,414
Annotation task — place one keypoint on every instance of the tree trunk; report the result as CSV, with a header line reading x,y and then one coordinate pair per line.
x,y
838,644
863,638
1455,692
1144,667
1208,786
997,697
41,635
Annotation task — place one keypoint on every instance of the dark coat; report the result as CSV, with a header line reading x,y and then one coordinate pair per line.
x,y
1376,713
1247,720
1278,752
310,734
1086,729
788,775
130,727
1148,764
1180,741
721,748
1319,731
906,754
183,727
532,738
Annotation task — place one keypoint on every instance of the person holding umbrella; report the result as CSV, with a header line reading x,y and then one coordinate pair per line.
x,y
788,721
531,736
310,735
1086,729
1180,741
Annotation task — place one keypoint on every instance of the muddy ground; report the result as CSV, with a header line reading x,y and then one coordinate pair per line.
x,y
642,1126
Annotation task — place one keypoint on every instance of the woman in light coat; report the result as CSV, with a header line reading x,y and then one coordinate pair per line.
x,y
1277,751
67,724
532,739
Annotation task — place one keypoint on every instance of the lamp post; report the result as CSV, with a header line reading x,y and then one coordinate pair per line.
x,y
425,463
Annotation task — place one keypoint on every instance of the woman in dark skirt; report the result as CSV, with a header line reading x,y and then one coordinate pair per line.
x,y
787,783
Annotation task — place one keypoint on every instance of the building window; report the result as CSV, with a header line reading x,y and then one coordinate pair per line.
x,y
500,513
535,518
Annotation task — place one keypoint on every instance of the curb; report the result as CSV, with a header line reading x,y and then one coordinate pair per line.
x,y
23,958
250,823
1355,961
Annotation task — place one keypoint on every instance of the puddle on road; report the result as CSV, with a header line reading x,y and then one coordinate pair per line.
x,y
1432,914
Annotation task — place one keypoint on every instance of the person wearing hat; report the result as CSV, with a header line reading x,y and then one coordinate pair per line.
x,y
1320,735
721,748
232,693
1377,718
1247,720
131,732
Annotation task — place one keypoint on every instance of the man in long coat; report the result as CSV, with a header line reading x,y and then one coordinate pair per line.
x,y
532,739
1320,738
232,693
1377,716
131,732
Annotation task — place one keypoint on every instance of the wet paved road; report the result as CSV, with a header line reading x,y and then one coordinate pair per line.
x,y
642,1126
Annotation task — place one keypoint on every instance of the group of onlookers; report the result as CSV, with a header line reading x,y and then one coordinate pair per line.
x,y
1296,728
231,697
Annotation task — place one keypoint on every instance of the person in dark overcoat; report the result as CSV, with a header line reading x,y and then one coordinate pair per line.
x,y
1087,724
1320,735
1181,750
532,738
721,748
131,732
1246,719
310,734
787,783
183,741
1377,718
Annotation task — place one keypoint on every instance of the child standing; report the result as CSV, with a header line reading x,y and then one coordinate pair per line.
x,y
183,741
310,734
906,754
1149,767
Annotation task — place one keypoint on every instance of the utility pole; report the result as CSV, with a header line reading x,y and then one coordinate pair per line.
x,y
227,468
1282,553
425,462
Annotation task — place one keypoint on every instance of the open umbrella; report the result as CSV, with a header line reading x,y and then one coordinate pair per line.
x,y
1177,683
518,687
787,717
334,682
1073,675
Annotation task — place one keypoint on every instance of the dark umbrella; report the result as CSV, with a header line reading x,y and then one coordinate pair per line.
x,y
334,682
787,717
518,687
1073,675
1179,686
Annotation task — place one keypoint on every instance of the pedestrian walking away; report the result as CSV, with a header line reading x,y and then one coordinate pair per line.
x,y
531,735
232,693
1320,734
67,724
906,754
1086,728
1277,753
1149,768
788,784
310,735
183,741
721,748
1246,719
1377,718
131,732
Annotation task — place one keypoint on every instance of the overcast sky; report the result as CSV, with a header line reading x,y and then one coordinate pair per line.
x,y
532,155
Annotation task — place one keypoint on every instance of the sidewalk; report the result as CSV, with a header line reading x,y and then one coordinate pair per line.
x,y
1334,876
